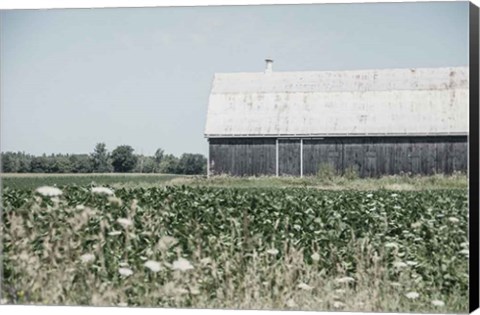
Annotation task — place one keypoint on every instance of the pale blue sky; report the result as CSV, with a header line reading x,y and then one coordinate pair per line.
x,y
142,76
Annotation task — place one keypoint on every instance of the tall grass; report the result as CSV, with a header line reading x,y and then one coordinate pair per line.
x,y
336,182
349,180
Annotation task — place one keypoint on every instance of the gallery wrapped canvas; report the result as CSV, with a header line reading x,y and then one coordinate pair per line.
x,y
307,157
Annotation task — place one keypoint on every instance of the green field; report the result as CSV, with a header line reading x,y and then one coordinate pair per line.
x,y
32,181
396,244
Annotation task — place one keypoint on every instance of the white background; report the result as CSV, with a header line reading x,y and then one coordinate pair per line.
x,y
30,4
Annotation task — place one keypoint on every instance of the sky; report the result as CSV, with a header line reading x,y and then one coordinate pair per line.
x,y
71,78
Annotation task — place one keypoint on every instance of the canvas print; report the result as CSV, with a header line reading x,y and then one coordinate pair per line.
x,y
273,157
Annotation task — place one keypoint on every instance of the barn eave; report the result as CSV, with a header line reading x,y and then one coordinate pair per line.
x,y
330,135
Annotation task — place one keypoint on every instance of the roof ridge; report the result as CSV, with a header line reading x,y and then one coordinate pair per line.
x,y
345,70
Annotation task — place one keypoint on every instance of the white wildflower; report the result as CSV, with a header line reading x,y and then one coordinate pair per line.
x,y
125,222
80,207
123,264
115,201
153,265
394,195
412,295
272,251
48,191
395,284
391,245
438,303
453,220
86,258
113,233
166,242
416,225
304,286
182,265
194,291
411,263
125,272
181,291
291,303
345,280
102,191
338,304
169,289
399,264
465,252
370,195
315,257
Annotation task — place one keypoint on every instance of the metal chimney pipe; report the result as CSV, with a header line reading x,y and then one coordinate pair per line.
x,y
269,65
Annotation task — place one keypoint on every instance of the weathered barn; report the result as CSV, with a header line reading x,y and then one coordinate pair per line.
x,y
378,122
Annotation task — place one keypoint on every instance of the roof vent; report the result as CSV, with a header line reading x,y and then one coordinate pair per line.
x,y
269,64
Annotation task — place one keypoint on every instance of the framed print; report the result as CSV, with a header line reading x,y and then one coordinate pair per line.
x,y
283,157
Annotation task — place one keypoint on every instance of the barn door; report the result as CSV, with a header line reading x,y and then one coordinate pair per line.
x,y
289,157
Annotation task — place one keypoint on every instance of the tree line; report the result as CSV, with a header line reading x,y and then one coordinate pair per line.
x,y
121,160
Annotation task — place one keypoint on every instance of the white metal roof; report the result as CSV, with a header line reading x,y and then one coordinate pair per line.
x,y
422,101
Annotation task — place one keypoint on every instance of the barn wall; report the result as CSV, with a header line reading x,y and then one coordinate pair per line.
x,y
289,157
376,156
243,157
370,156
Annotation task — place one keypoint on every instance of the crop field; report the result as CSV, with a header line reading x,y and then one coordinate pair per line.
x,y
295,248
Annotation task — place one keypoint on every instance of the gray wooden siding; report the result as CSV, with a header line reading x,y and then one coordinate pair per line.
x,y
374,156
242,157
289,157
328,151
370,156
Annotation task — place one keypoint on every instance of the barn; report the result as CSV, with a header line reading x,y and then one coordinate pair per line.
x,y
376,122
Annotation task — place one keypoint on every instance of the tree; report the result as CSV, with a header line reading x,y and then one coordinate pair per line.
x,y
10,162
100,159
145,164
169,164
40,164
123,159
16,162
60,164
81,163
25,161
158,159
192,164
149,164
159,155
